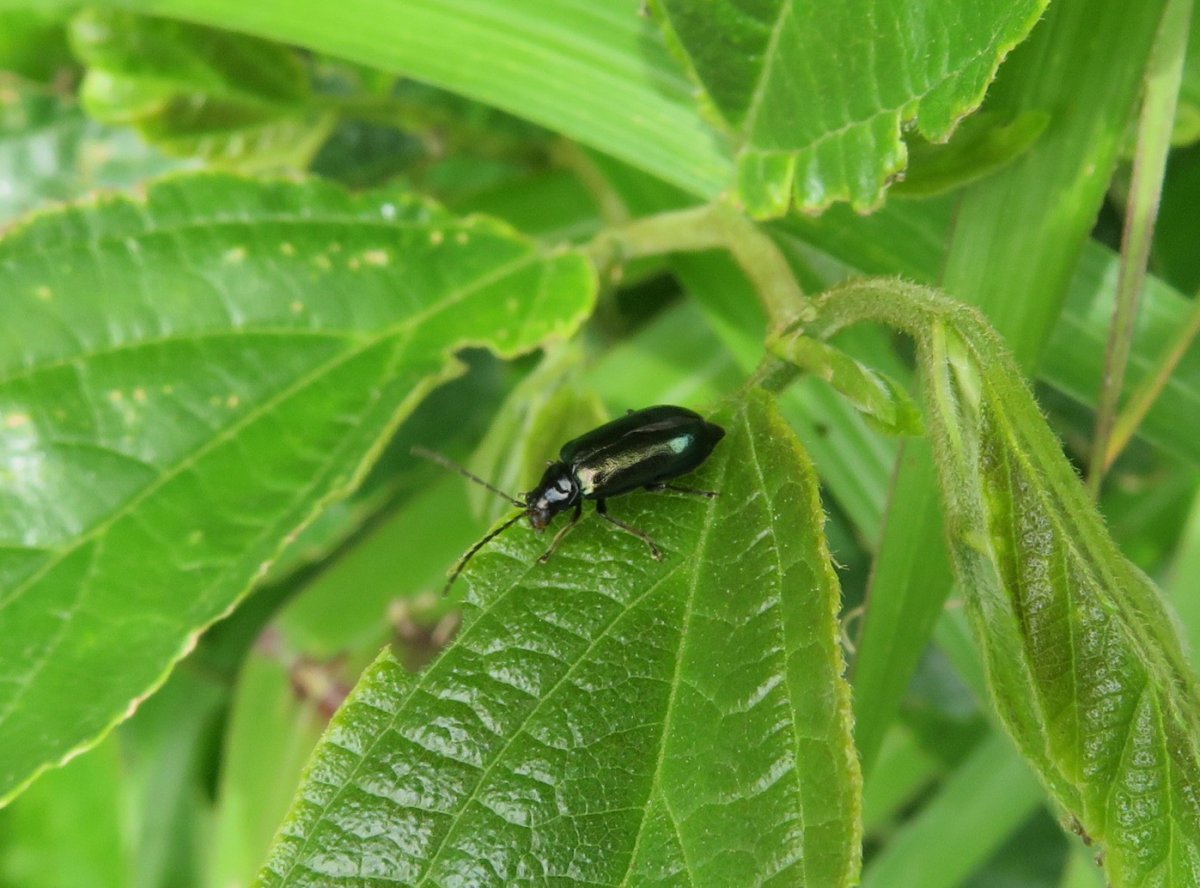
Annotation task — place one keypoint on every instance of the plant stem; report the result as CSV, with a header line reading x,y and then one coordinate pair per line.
x,y
1163,77
711,227
1147,392
571,156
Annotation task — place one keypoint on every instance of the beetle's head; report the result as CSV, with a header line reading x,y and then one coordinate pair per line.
x,y
556,492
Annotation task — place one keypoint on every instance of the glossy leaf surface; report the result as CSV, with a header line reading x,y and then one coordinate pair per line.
x,y
817,92
1009,247
606,719
184,383
617,89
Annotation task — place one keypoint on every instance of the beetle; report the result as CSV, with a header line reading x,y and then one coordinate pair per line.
x,y
644,449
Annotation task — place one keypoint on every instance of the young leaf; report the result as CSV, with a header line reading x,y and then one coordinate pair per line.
x,y
184,383
1082,657
608,719
193,90
879,399
817,93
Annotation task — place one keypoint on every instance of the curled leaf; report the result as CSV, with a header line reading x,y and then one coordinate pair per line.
x,y
883,402
1083,659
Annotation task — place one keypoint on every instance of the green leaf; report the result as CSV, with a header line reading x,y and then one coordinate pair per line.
x,y
440,422
1187,116
905,768
1014,241
658,365
1074,358
1082,657
1183,571
167,799
185,382
347,607
608,719
852,460
817,94
982,144
884,403
193,90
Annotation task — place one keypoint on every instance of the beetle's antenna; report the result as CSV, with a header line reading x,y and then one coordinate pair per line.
x,y
450,464
462,562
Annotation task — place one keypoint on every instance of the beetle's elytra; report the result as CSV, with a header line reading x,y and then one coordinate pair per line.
x,y
642,449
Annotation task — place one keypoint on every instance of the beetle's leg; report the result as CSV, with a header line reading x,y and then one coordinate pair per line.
x,y
692,490
602,508
558,537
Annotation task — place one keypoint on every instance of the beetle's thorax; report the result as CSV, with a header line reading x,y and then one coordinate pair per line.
x,y
556,492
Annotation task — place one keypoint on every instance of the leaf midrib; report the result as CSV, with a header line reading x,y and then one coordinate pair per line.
x,y
655,785
36,368
368,215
